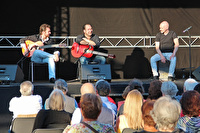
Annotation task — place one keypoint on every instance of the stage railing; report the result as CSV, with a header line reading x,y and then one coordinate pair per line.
x,y
106,41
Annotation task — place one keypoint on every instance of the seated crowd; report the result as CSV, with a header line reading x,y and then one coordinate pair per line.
x,y
162,111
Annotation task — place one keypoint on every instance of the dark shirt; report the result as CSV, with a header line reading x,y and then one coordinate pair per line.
x,y
36,38
94,38
52,119
166,41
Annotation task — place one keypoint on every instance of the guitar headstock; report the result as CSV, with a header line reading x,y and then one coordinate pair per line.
x,y
112,56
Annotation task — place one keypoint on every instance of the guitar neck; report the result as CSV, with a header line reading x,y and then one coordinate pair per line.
x,y
100,53
104,54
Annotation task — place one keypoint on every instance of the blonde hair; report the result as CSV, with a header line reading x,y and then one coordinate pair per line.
x,y
132,109
26,88
56,100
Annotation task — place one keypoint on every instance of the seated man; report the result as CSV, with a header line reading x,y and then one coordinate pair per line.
x,y
166,47
88,38
106,116
103,89
40,56
27,103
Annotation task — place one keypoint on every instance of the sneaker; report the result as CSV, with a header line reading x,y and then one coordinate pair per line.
x,y
52,80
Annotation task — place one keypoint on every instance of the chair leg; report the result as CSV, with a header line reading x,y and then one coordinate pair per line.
x,y
31,71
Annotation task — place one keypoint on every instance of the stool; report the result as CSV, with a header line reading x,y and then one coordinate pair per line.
x,y
31,69
163,70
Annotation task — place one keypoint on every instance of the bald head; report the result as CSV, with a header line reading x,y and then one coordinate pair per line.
x,y
164,27
88,88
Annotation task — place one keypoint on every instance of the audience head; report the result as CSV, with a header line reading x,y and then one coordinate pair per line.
x,y
189,84
56,100
88,88
190,103
136,84
146,108
103,87
61,84
169,88
155,89
165,113
26,88
132,109
197,88
91,105
126,91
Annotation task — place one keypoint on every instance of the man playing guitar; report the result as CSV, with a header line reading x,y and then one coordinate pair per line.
x,y
88,38
39,55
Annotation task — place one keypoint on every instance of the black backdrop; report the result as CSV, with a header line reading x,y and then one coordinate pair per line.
x,y
108,17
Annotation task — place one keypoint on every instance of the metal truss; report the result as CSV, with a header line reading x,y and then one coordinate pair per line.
x,y
106,41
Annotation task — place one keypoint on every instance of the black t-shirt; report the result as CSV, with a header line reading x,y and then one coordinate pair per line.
x,y
166,41
94,38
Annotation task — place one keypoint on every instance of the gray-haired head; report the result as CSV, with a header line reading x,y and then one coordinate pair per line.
x,y
61,84
189,84
103,87
169,88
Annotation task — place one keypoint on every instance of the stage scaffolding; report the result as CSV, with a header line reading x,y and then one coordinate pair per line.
x,y
106,41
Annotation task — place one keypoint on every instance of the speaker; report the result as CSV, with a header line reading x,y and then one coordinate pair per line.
x,y
11,73
196,73
95,72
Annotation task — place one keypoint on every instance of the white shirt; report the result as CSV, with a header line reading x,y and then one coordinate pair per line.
x,y
25,105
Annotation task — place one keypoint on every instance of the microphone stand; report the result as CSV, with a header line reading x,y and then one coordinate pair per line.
x,y
189,52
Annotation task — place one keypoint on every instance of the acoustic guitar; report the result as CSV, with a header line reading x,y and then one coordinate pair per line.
x,y
31,46
87,51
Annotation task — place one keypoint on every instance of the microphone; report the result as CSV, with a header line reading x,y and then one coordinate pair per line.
x,y
187,29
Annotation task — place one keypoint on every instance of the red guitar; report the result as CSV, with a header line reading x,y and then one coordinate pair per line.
x,y
87,51
31,46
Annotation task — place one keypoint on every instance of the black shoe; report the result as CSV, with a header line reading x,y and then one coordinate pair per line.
x,y
52,80
155,78
170,78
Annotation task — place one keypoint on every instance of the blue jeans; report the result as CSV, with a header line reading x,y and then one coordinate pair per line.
x,y
100,59
40,56
156,58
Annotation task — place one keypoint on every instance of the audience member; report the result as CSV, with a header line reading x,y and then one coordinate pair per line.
x,y
106,116
189,84
169,88
190,104
133,84
70,103
149,124
165,113
155,90
27,103
197,88
91,106
103,89
56,116
136,84
132,116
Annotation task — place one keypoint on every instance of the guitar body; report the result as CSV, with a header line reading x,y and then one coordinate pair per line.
x,y
79,50
29,48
